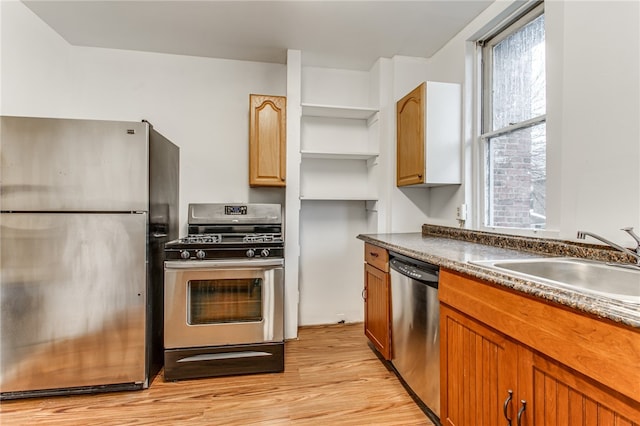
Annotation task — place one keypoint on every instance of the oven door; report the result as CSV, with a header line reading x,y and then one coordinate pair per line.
x,y
226,302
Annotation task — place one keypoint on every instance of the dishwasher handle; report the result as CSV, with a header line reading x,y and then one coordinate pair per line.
x,y
428,274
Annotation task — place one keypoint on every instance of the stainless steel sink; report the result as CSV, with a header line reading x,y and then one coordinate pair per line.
x,y
613,281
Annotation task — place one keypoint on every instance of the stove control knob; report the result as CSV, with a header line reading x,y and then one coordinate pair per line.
x,y
264,253
184,254
250,253
200,254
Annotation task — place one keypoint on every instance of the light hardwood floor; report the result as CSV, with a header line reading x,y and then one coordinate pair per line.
x,y
332,377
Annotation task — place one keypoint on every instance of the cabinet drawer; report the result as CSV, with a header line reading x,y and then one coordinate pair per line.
x,y
376,257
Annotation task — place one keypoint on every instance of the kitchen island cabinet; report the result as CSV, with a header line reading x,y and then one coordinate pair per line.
x,y
505,356
377,299
267,140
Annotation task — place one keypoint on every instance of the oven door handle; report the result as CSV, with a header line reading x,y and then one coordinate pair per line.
x,y
235,263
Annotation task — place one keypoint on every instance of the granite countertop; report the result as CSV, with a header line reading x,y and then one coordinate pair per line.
x,y
453,248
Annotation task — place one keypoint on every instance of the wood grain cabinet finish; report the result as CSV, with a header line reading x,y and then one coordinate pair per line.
x,y
508,359
559,396
377,299
267,140
428,139
478,369
377,257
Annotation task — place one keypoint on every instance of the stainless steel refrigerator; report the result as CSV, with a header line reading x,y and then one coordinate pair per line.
x,y
86,207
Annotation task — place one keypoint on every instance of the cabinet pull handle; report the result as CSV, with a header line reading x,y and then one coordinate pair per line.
x,y
506,405
521,411
364,294
373,254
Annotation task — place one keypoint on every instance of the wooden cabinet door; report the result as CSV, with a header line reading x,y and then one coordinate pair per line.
x,y
478,368
410,116
267,140
377,311
556,395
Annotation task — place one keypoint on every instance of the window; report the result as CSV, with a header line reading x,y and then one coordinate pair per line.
x,y
513,124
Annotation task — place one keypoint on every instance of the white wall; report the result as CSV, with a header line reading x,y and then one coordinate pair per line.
x,y
600,101
35,63
200,104
331,261
593,129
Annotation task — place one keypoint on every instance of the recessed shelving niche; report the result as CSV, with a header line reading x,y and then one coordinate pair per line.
x,y
339,150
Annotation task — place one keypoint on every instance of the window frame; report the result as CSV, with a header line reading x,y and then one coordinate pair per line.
x,y
484,53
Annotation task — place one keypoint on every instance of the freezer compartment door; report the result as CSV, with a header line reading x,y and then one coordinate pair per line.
x,y
73,297
53,164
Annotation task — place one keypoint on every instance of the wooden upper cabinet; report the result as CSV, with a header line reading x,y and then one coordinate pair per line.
x,y
428,121
410,137
267,140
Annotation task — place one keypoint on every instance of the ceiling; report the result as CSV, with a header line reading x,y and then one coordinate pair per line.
x,y
335,34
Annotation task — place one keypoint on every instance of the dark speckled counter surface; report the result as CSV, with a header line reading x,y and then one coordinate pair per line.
x,y
453,248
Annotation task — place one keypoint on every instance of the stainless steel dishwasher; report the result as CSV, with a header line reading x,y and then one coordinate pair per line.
x,y
415,327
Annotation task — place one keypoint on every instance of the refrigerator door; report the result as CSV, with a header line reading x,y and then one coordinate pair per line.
x,y
73,296
53,164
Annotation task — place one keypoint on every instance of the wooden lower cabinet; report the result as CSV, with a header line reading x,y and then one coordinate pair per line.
x,y
483,358
377,311
559,396
478,368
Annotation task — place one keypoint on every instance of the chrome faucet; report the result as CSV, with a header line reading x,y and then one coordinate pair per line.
x,y
629,230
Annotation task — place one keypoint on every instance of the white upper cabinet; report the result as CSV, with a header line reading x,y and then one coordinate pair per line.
x,y
428,121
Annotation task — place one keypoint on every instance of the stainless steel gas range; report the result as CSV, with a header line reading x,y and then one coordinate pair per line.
x,y
224,293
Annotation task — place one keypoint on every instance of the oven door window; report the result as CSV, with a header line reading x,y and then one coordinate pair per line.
x,y
224,301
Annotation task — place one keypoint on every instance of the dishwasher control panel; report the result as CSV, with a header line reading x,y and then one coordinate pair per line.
x,y
422,272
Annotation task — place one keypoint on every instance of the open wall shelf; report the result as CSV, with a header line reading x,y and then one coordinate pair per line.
x,y
335,111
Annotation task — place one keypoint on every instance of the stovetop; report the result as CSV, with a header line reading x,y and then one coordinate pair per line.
x,y
225,239
225,231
